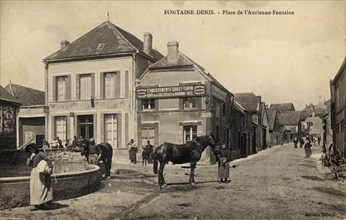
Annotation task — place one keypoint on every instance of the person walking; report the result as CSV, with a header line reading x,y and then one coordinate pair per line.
x,y
307,148
41,192
132,152
295,141
301,142
223,168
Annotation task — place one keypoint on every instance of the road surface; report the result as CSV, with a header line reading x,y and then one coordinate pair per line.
x,y
277,183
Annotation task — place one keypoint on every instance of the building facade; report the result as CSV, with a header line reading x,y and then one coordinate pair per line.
x,y
32,116
90,86
338,109
178,100
9,107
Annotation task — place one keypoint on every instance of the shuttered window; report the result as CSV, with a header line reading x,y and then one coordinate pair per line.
x,y
109,85
111,130
60,127
61,82
85,85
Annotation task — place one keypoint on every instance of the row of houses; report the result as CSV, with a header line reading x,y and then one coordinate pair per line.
x,y
113,87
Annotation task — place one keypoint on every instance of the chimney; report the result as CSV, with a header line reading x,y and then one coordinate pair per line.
x,y
148,43
173,50
64,44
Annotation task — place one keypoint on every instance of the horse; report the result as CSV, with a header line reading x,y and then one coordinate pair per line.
x,y
104,152
182,153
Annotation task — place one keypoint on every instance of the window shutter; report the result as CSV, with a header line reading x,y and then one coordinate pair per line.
x,y
119,130
117,85
127,86
93,85
77,87
68,88
55,91
102,86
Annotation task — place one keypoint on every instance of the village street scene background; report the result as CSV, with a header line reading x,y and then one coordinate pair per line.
x,y
266,79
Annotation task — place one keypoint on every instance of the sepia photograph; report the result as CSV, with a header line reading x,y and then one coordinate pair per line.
x,y
181,109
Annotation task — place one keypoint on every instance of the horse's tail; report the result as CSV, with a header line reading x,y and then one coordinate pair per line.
x,y
155,164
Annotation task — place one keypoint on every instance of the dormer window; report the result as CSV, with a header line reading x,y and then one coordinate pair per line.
x,y
101,46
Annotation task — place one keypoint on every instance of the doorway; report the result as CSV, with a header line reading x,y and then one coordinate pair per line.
x,y
85,126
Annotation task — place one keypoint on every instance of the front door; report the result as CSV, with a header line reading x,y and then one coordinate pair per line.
x,y
86,126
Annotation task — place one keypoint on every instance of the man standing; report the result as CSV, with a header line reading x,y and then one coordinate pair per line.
x,y
150,150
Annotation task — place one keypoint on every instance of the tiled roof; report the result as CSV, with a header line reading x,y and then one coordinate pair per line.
x,y
6,96
105,39
283,107
271,118
26,96
289,118
309,112
248,100
181,62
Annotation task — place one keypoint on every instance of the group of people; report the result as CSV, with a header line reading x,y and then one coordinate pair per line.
x,y
306,144
57,143
147,153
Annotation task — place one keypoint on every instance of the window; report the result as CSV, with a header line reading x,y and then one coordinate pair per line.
x,y
60,127
190,132
148,104
61,82
190,103
224,110
148,134
85,87
309,124
111,130
110,85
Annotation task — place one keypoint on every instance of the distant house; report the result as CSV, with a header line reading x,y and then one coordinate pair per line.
x,y
25,95
289,124
32,116
338,109
283,107
274,127
9,107
265,126
252,103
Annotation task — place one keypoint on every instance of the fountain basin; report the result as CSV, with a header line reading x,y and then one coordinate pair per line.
x,y
73,179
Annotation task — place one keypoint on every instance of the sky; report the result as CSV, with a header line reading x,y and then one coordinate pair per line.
x,y
282,58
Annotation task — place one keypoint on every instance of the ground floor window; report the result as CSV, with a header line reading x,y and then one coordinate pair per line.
x,y
190,132
148,134
60,127
111,130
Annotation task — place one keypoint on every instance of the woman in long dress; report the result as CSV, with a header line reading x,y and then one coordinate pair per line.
x,y
41,192
223,168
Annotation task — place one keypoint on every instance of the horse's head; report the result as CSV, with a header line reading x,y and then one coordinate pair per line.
x,y
84,146
214,144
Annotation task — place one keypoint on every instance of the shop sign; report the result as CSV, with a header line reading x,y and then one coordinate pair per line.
x,y
170,91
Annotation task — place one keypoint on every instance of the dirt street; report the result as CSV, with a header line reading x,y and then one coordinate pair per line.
x,y
277,183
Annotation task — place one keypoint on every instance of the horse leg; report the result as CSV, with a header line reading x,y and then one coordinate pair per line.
x,y
192,174
162,182
107,164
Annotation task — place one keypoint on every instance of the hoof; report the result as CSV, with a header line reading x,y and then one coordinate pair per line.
x,y
192,183
108,177
163,186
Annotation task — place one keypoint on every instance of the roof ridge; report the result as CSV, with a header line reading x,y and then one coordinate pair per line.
x,y
24,87
113,26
